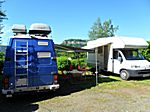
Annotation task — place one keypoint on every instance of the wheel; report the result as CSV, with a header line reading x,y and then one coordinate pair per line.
x,y
124,75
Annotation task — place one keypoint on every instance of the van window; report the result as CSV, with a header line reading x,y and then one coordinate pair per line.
x,y
115,54
120,55
43,54
132,54
43,43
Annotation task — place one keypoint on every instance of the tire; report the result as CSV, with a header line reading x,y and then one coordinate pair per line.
x,y
124,75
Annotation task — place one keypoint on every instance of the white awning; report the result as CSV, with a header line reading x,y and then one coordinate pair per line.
x,y
92,46
118,42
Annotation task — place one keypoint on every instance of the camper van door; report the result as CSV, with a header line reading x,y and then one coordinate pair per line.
x,y
117,61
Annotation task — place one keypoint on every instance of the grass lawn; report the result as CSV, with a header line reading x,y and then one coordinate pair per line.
x,y
111,95
114,82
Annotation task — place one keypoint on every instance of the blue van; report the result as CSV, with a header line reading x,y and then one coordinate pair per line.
x,y
30,61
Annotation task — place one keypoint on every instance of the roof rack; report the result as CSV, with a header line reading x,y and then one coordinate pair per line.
x,y
39,29
19,29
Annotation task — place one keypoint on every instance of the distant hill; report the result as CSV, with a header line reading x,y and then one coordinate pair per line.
x,y
74,42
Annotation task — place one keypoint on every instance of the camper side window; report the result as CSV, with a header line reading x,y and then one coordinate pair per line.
x,y
115,55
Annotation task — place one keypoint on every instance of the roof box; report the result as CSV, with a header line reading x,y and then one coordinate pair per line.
x,y
39,29
19,29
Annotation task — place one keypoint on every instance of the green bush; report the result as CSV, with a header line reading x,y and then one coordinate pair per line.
x,y
74,63
1,67
1,61
146,52
63,63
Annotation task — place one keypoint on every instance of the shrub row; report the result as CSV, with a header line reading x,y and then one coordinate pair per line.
x,y
64,63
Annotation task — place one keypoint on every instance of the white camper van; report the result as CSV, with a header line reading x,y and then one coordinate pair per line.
x,y
120,55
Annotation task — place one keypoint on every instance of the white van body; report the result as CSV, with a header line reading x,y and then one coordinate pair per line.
x,y
120,55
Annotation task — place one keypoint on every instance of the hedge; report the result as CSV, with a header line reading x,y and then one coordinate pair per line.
x,y
64,63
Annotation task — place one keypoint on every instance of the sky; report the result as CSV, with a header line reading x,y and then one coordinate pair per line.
x,y
74,18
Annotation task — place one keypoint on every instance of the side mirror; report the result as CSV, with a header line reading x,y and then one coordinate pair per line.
x,y
120,59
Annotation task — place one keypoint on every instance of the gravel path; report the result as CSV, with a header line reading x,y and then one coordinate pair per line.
x,y
96,100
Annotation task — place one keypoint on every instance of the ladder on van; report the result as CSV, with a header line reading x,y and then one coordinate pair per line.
x,y
21,63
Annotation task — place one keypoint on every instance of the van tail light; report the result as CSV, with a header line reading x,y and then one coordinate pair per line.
x,y
6,83
55,79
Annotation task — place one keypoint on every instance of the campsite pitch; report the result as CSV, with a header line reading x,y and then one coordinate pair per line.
x,y
111,95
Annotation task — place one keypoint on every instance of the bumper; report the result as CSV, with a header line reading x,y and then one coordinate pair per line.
x,y
27,89
7,92
139,73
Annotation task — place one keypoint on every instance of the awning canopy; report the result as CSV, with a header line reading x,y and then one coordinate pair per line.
x,y
118,42
92,46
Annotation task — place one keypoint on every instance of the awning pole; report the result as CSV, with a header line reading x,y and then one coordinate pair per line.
x,y
96,72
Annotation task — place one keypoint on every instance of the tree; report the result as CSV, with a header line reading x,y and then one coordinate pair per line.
x,y
146,52
2,17
99,30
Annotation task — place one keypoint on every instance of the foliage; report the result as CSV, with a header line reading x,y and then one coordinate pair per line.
x,y
99,30
2,16
75,62
2,57
146,52
1,61
64,63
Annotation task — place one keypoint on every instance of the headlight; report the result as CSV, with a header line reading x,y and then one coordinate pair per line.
x,y
135,66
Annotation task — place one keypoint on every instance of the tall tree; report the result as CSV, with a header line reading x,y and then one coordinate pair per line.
x,y
2,17
99,30
146,52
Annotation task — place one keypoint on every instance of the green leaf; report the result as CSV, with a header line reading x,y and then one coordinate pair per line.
x,y
105,29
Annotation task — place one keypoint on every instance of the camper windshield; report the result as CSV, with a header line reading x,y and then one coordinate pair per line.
x,y
132,54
